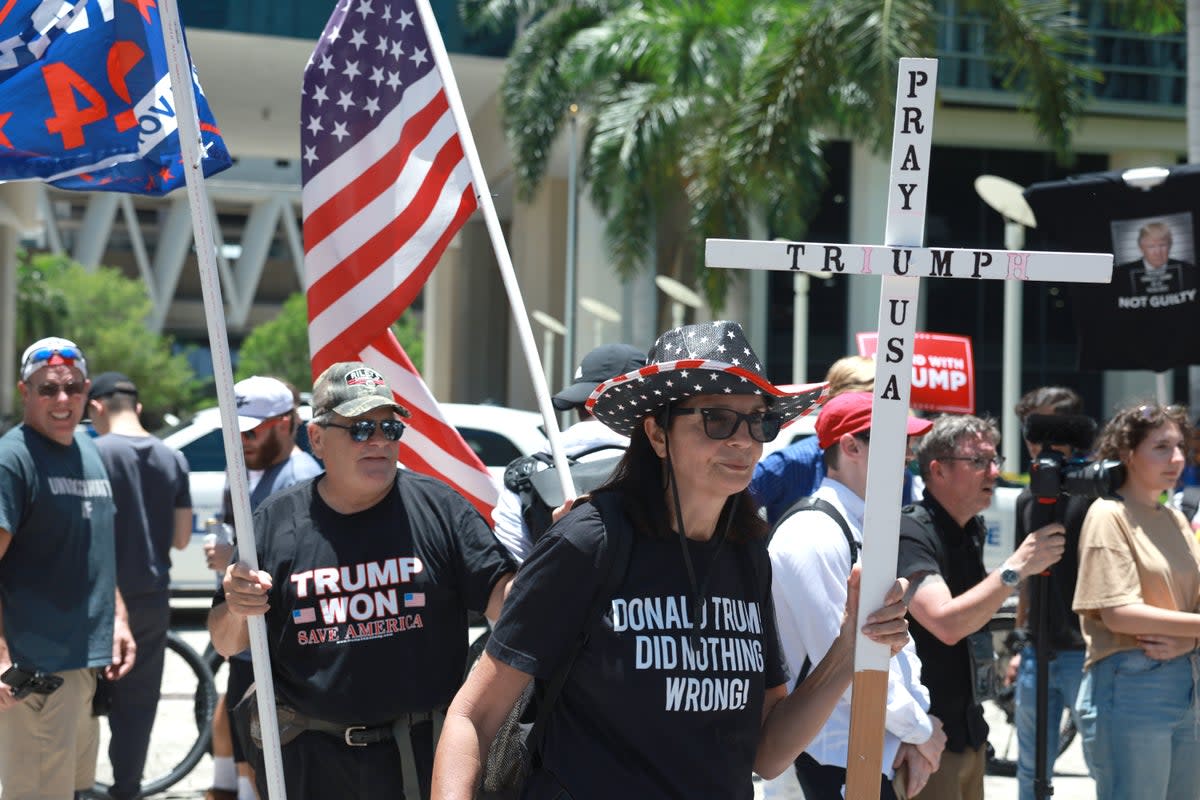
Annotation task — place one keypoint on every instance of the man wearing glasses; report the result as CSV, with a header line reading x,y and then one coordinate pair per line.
x,y
953,598
366,576
62,613
267,420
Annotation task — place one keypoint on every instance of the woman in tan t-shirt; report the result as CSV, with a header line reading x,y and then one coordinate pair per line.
x,y
1138,595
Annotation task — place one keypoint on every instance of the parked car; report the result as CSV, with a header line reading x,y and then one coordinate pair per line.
x,y
496,434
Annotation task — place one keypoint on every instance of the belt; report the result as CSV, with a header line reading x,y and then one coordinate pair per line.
x,y
353,735
363,735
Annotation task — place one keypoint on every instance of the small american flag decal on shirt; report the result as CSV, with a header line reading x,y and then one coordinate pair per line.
x,y
302,615
414,599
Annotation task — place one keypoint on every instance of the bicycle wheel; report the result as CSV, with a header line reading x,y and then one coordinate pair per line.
x,y
182,724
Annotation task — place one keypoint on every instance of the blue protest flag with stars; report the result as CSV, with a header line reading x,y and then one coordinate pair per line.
x,y
86,101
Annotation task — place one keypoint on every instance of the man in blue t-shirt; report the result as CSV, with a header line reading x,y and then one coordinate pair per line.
x,y
154,513
60,610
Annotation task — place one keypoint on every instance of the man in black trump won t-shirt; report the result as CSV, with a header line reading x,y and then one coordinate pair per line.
x,y
366,576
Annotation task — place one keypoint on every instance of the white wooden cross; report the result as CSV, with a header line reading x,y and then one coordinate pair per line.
x,y
902,261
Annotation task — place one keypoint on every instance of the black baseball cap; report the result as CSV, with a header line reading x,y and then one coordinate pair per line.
x,y
109,383
606,361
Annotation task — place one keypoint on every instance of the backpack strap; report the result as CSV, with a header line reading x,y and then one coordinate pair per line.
x,y
812,503
618,547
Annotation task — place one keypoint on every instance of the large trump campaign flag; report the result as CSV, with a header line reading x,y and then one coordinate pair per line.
x,y
386,187
86,101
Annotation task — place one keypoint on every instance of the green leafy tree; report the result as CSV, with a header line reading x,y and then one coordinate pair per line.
x,y
280,347
707,117
105,313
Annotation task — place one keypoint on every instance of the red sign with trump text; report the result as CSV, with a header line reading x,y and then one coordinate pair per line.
x,y
943,375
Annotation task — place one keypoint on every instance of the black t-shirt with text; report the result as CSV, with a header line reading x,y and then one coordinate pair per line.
x,y
654,706
955,553
368,616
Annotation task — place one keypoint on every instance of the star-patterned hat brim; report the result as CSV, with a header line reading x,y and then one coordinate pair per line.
x,y
719,362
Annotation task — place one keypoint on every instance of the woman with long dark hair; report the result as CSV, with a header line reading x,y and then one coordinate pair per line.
x,y
678,688
1138,595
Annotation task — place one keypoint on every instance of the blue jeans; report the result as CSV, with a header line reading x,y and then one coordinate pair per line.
x,y
1140,723
1065,675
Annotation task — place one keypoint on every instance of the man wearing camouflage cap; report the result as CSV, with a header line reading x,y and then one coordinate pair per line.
x,y
366,576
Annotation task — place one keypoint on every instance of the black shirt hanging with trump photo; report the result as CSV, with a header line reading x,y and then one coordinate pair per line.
x,y
1148,317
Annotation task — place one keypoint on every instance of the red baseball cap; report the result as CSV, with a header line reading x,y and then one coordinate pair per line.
x,y
850,412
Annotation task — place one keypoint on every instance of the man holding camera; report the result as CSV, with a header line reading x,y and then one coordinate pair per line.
x,y
61,616
953,598
1065,646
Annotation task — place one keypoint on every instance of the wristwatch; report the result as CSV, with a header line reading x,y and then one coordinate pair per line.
x,y
1009,576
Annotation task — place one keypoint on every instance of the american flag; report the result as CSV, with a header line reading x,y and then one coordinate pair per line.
x,y
386,187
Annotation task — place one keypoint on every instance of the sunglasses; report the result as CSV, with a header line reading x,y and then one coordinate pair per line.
x,y
45,353
252,434
977,462
52,389
1153,411
362,430
721,423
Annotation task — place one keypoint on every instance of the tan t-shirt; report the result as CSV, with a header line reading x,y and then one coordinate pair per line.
x,y
1132,554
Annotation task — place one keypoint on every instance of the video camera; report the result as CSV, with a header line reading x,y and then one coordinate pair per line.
x,y
1053,474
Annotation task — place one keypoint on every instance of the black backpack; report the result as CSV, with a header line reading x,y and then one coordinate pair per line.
x,y
534,480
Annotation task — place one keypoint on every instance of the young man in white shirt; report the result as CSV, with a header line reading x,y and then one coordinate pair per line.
x,y
811,559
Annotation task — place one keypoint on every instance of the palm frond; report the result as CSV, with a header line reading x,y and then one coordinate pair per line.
x,y
1040,44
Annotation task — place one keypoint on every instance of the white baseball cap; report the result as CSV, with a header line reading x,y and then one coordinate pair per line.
x,y
258,399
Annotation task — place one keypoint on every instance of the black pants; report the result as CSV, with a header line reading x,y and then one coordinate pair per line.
x,y
241,675
823,782
317,766
135,697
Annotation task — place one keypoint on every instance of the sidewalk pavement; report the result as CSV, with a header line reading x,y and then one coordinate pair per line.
x,y
1070,780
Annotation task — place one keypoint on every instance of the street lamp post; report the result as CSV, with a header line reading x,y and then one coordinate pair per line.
x,y
552,328
680,295
568,360
1008,199
602,313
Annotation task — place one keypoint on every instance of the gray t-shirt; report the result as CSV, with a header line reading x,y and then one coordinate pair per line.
x,y
149,481
57,578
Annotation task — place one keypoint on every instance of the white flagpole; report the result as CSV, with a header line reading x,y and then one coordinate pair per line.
x,y
202,230
520,316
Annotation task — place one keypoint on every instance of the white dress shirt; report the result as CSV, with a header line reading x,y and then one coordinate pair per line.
x,y
810,562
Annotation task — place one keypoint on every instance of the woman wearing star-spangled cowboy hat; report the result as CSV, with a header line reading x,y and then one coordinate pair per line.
x,y
678,689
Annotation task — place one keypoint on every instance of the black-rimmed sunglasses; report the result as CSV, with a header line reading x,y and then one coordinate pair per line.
x,y
361,430
721,423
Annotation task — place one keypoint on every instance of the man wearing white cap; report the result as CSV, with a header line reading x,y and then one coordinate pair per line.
x,y
267,420
62,617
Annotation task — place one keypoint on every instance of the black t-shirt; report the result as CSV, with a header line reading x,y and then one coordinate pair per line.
x,y
149,481
1062,623
368,616
652,706
1116,320
955,553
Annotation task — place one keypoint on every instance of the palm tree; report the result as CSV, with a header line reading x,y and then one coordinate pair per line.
x,y
708,116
